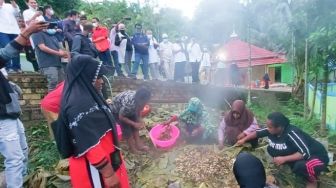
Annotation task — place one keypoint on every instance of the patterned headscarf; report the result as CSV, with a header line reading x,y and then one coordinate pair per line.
x,y
196,115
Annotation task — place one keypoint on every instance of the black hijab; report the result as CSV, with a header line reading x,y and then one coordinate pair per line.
x,y
249,171
83,109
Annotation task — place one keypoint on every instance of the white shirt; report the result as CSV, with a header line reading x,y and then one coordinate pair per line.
x,y
8,22
152,52
113,34
166,50
205,60
29,13
195,52
179,56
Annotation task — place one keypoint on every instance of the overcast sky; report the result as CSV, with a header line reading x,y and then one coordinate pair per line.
x,y
186,6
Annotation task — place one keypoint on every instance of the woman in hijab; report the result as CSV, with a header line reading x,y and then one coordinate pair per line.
x,y
249,171
194,121
236,124
95,159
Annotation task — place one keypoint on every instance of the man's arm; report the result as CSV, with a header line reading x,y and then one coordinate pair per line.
x,y
48,50
13,49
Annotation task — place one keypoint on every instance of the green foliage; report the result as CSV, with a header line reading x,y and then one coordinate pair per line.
x,y
42,151
168,20
292,109
60,6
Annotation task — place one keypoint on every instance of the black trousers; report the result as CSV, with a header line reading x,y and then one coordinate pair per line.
x,y
195,72
179,71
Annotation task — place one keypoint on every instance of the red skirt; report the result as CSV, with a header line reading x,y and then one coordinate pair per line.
x,y
84,175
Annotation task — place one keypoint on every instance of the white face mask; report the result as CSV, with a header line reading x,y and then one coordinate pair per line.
x,y
95,24
165,40
150,36
51,12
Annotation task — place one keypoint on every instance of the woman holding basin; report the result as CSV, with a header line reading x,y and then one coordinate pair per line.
x,y
193,121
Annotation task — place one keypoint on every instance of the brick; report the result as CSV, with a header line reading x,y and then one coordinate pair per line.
x,y
27,90
31,96
34,102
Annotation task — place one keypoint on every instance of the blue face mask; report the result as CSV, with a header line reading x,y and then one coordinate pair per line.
x,y
51,31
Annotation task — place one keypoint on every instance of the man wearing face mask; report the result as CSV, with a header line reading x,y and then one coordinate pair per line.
x,y
167,57
71,27
141,45
124,47
100,39
49,54
49,16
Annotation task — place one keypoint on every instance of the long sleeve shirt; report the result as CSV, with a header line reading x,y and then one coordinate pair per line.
x,y
221,129
10,51
291,141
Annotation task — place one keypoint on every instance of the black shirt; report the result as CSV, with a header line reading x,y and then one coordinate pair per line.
x,y
291,141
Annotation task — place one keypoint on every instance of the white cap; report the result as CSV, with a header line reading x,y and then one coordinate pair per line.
x,y
4,72
164,35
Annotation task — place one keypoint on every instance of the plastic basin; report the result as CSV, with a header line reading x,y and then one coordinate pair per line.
x,y
119,133
155,133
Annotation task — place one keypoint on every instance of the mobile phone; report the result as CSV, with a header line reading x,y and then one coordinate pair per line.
x,y
52,25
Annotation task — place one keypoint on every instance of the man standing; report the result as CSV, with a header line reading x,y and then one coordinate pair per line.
x,y
9,30
180,60
82,44
125,49
167,57
153,56
115,49
71,27
141,44
195,54
33,13
100,39
49,56
13,144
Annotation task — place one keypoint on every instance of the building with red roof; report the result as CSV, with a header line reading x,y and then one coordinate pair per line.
x,y
236,51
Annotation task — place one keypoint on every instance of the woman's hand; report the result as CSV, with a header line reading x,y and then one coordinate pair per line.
x,y
279,160
241,136
139,125
112,181
240,142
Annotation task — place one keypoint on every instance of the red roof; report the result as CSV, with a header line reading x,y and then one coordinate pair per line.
x,y
237,51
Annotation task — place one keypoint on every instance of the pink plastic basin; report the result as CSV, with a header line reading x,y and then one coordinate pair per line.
x,y
156,131
119,132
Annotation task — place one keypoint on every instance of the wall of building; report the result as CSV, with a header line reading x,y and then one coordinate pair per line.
x,y
331,103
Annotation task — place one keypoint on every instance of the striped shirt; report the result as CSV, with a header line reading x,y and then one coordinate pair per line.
x,y
291,141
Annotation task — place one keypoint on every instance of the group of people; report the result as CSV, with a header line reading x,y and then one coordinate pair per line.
x,y
287,144
50,50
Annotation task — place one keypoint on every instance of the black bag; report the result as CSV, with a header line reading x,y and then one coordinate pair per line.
x,y
12,109
63,138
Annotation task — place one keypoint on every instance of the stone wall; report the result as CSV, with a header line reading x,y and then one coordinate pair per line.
x,y
34,89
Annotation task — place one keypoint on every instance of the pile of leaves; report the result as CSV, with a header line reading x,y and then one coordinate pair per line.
x,y
202,164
